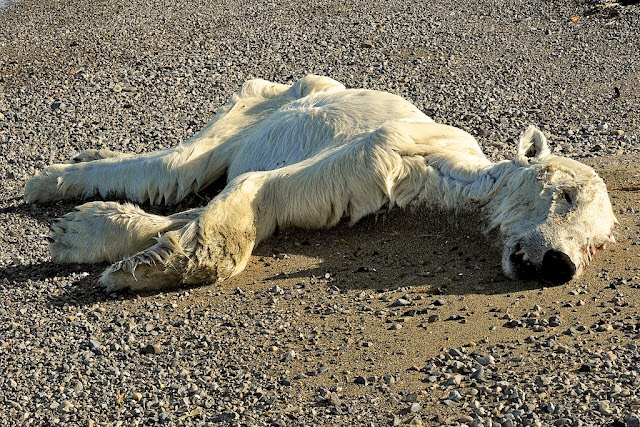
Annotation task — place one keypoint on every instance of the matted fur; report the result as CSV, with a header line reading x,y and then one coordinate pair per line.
x,y
308,155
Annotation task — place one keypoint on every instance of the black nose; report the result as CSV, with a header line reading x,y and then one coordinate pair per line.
x,y
557,267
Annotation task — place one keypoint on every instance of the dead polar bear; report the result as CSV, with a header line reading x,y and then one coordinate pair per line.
x,y
308,155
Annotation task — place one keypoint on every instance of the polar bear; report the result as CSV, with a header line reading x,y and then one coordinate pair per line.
x,y
307,155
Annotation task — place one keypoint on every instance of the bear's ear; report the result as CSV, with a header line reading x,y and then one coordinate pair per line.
x,y
532,145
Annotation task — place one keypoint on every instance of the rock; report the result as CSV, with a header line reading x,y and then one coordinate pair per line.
x,y
151,349
555,321
95,345
65,406
585,367
454,352
360,380
410,397
400,302
389,379
478,374
454,396
632,421
486,360
603,407
334,400
415,407
416,421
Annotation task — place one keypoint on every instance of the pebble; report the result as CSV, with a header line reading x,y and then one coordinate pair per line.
x,y
416,421
400,302
151,349
360,380
486,360
65,406
334,400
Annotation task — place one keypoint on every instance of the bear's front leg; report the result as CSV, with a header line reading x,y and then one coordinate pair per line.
x,y
214,246
109,231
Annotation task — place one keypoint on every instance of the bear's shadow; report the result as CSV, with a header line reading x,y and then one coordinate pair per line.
x,y
443,253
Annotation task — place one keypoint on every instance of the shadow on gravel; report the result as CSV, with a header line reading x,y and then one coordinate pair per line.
x,y
439,253
19,274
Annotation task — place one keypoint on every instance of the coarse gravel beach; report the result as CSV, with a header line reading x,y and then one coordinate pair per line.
x,y
404,318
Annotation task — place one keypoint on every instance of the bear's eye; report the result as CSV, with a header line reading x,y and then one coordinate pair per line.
x,y
567,197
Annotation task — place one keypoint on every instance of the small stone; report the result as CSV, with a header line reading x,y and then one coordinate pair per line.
x,y
400,302
440,302
65,406
617,132
555,321
433,318
136,396
603,406
389,379
610,356
454,352
585,368
415,407
151,349
454,395
334,399
632,421
95,345
289,355
478,374
411,397
360,380
486,360
455,380
416,421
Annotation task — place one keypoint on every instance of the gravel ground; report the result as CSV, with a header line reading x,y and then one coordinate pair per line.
x,y
401,319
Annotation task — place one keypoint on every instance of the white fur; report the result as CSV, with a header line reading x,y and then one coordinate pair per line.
x,y
308,155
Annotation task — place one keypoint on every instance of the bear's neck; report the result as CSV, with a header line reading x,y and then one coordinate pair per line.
x,y
466,185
